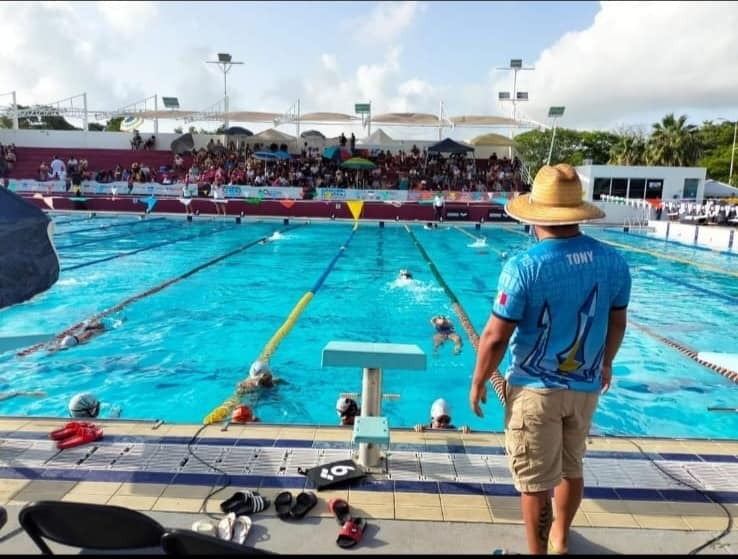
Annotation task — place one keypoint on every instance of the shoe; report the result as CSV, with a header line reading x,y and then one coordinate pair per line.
x,y
226,525
85,434
241,529
69,429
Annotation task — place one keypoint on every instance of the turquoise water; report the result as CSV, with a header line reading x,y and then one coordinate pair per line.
x,y
178,353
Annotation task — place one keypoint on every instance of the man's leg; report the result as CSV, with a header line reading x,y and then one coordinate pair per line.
x,y
537,516
567,498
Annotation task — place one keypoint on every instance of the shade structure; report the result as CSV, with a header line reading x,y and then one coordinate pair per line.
x,y
238,131
183,144
312,133
265,156
282,155
492,140
131,123
450,146
358,163
336,153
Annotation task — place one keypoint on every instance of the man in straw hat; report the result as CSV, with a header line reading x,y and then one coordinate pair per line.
x,y
562,306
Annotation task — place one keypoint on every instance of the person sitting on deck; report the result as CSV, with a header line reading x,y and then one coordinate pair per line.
x,y
440,418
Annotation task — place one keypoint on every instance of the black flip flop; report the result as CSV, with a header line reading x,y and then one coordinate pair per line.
x,y
283,504
303,503
235,501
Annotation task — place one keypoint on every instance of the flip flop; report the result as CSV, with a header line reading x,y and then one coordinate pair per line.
x,y
235,501
283,504
241,529
68,430
303,503
340,508
85,434
351,533
226,526
254,503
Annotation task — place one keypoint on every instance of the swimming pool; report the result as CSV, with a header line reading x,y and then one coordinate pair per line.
x,y
179,352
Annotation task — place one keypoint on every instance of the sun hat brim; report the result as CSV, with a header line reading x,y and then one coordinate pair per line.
x,y
524,209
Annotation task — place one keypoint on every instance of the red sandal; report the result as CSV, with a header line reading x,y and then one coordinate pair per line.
x,y
69,430
351,533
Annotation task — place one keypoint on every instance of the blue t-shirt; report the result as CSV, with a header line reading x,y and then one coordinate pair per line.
x,y
560,293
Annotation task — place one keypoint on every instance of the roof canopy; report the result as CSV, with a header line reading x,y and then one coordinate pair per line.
x,y
377,138
492,140
273,135
449,146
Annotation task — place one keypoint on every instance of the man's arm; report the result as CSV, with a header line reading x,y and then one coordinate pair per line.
x,y
492,346
615,333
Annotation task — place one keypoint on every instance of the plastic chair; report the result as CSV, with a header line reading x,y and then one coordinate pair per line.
x,y
89,526
187,542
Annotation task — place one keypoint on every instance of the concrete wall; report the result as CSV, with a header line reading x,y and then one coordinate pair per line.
x,y
90,140
714,237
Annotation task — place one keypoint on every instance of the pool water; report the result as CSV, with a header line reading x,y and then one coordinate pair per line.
x,y
176,354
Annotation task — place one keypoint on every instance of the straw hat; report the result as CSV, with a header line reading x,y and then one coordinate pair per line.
x,y
555,199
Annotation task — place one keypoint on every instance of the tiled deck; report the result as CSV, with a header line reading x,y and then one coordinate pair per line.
x,y
432,476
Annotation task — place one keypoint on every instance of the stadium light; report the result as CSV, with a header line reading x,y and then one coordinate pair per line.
x,y
226,63
170,102
516,65
554,113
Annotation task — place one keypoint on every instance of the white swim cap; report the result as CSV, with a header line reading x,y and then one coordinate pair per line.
x,y
259,368
84,405
440,407
346,406
69,341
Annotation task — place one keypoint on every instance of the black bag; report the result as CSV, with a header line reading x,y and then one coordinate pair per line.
x,y
335,473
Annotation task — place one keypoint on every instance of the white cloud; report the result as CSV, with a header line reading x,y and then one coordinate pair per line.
x,y
386,21
637,57
329,62
128,18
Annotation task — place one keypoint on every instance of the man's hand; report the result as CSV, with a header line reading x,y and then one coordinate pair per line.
x,y
606,378
478,394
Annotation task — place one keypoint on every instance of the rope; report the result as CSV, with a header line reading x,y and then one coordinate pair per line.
x,y
224,410
146,293
102,239
727,373
704,290
142,249
497,380
111,226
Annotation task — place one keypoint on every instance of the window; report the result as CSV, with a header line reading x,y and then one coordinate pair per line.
x,y
619,187
601,186
637,188
654,188
690,189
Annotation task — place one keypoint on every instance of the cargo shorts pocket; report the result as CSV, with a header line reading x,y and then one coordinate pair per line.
x,y
515,443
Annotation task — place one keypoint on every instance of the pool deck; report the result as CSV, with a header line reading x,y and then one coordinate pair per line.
x,y
459,483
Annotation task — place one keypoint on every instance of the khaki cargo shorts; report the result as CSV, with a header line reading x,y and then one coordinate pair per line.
x,y
546,435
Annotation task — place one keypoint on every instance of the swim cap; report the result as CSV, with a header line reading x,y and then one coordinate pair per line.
x,y
259,368
440,407
346,406
69,341
84,405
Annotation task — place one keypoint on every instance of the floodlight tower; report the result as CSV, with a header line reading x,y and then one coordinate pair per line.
x,y
226,63
516,65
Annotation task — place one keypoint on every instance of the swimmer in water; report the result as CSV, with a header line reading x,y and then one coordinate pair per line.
x,y
405,274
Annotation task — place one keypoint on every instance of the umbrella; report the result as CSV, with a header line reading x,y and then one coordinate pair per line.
x,y
183,144
131,123
282,155
336,153
358,163
265,156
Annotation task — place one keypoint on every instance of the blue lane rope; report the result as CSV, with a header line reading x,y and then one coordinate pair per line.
x,y
692,286
153,290
98,228
142,249
114,237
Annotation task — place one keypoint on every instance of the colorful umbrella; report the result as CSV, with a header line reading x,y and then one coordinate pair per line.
x,y
358,163
336,153
265,156
131,123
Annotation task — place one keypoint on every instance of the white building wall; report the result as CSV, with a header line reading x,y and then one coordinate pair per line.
x,y
721,238
673,177
91,140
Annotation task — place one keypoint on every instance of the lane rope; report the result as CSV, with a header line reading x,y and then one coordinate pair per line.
x,y
113,237
224,411
148,292
143,249
112,225
497,380
472,236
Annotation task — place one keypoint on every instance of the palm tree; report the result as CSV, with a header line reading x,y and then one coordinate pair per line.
x,y
630,149
673,143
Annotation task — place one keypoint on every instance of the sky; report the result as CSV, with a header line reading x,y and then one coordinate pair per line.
x,y
613,65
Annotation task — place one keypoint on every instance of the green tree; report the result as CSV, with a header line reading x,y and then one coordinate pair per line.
x,y
717,145
192,130
673,142
177,130
95,127
629,148
113,125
